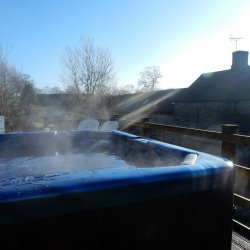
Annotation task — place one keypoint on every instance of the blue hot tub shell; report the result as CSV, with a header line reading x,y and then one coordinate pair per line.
x,y
151,195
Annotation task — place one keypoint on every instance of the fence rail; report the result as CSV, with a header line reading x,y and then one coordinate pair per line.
x,y
228,138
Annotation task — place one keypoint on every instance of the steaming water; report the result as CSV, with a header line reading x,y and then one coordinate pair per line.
x,y
26,166
23,161
72,162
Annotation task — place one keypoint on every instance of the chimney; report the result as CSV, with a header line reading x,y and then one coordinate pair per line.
x,y
240,60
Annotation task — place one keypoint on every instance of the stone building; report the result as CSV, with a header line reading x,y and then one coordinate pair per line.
x,y
217,97
213,99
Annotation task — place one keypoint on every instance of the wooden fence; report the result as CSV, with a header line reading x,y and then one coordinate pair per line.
x,y
228,137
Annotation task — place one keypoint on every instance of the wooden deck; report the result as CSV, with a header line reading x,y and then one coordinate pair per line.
x,y
239,242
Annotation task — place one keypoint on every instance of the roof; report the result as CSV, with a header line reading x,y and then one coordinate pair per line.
x,y
226,85
144,103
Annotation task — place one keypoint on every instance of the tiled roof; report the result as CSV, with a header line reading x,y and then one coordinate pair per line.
x,y
226,85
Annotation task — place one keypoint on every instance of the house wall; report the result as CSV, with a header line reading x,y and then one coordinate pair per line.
x,y
204,115
242,107
186,114
207,115
162,119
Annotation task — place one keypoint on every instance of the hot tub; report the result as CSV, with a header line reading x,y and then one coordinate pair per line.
x,y
111,190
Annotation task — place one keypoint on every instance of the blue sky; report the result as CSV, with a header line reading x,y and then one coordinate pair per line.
x,y
184,38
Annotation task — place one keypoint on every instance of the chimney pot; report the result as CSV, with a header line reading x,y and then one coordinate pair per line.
x,y
240,60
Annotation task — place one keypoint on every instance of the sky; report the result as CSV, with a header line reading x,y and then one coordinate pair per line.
x,y
185,38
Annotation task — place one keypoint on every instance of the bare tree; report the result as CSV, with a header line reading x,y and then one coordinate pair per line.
x,y
28,99
123,90
149,78
12,83
87,71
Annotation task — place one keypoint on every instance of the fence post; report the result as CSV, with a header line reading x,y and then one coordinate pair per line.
x,y
228,150
145,130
